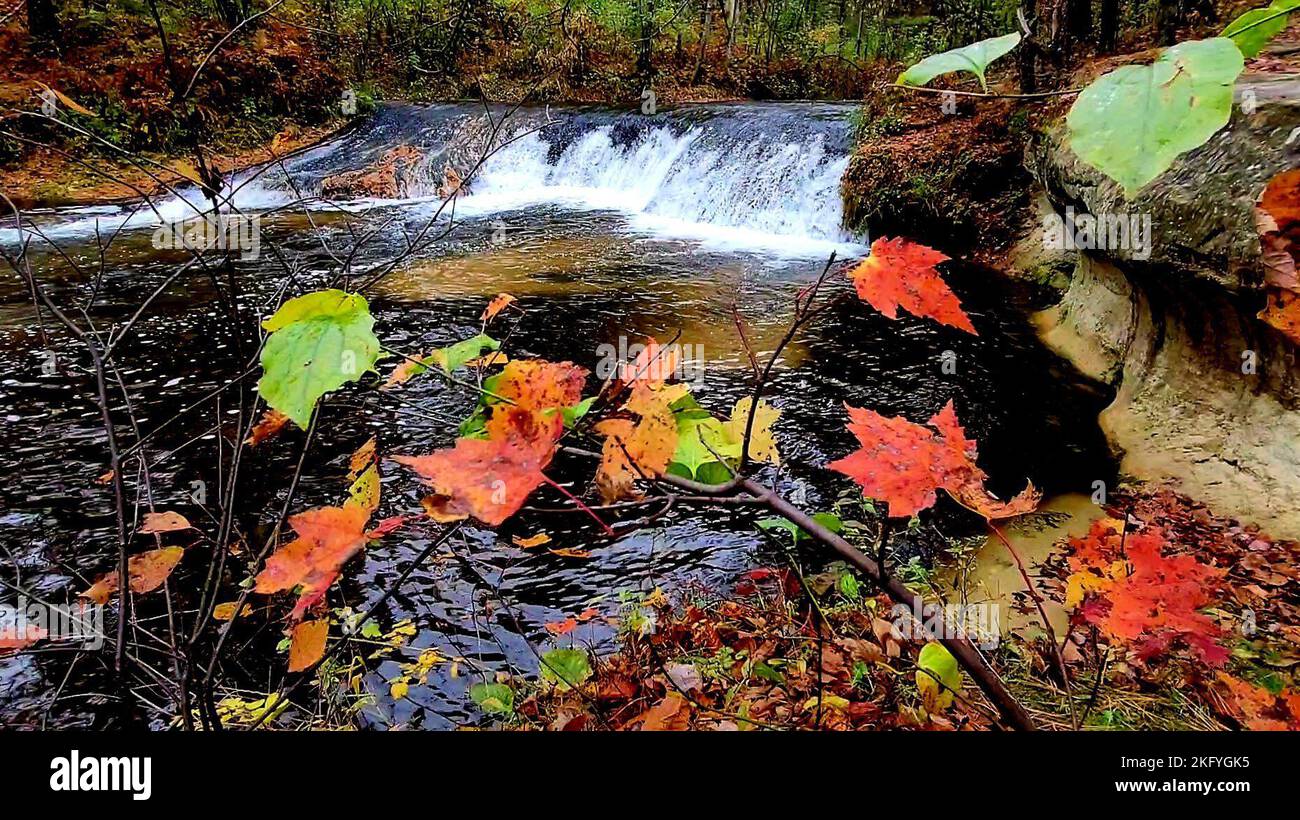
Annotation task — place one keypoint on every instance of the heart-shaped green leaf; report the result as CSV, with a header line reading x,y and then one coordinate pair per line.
x,y
1252,30
1132,123
566,668
318,342
974,58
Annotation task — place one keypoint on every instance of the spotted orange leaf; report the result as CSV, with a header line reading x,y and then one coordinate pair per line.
x,y
146,572
499,303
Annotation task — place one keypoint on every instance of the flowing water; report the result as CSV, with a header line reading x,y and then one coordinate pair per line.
x,y
609,227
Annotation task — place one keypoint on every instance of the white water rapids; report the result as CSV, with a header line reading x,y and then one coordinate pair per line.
x,y
762,179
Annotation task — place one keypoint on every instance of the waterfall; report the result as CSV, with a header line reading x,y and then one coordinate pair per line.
x,y
763,176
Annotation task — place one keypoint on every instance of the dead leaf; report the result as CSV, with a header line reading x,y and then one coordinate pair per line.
x,y
160,522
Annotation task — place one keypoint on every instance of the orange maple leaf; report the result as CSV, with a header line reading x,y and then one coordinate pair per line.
x,y
905,464
489,478
640,449
901,273
327,538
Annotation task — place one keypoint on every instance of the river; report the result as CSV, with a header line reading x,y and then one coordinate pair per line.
x,y
608,226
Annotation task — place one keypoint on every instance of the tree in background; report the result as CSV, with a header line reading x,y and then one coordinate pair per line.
x,y
43,25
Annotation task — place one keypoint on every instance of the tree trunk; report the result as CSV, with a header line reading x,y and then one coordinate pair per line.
x,y
1109,24
645,47
42,25
1078,19
1168,17
704,43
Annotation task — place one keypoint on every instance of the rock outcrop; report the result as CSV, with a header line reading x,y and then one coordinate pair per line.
x,y
1207,394
401,172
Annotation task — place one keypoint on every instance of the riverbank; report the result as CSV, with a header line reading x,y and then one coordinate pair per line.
x,y
793,648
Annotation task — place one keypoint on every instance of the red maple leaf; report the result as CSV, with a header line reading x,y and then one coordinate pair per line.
x,y
901,273
1139,596
905,464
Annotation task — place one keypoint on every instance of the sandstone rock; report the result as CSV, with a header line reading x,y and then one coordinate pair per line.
x,y
1207,395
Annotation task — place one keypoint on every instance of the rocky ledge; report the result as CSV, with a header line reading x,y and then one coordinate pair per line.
x,y
1164,309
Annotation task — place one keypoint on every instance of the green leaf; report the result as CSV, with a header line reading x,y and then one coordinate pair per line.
x,y
454,357
318,342
849,587
572,415
1251,35
781,524
936,664
693,431
566,668
974,58
493,698
830,521
1132,123
767,672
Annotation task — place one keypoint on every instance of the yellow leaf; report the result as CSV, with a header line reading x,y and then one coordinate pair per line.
x,y
762,445
829,701
307,644
364,492
532,541
399,689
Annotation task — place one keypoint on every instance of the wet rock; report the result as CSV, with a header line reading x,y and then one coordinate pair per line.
x,y
392,177
1202,208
